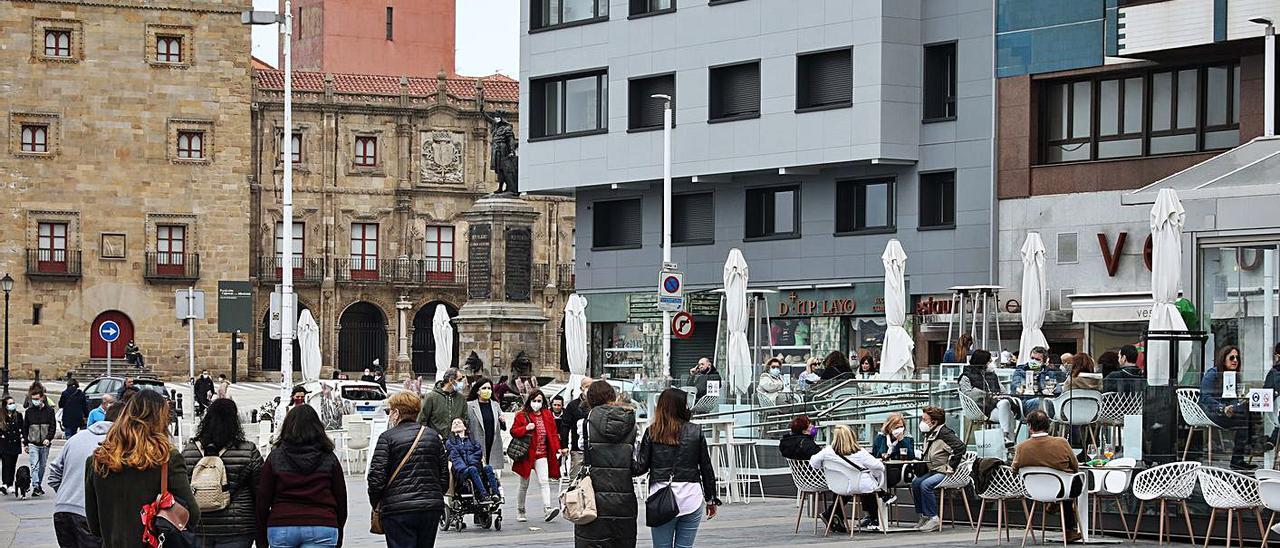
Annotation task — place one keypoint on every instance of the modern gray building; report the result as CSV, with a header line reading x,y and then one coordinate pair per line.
x,y
808,133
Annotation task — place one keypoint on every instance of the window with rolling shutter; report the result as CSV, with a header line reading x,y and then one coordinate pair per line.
x,y
693,219
645,112
685,353
616,223
735,91
824,79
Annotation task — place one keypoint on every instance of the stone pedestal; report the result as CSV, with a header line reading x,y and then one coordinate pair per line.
x,y
500,318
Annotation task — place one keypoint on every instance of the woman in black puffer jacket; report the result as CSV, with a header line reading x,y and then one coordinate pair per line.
x,y
412,502
220,431
609,446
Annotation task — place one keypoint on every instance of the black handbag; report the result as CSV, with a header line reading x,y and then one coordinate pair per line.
x,y
518,448
661,507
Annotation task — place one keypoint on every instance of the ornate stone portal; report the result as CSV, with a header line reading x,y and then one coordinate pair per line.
x,y
499,319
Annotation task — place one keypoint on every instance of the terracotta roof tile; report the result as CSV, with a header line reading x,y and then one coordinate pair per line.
x,y
496,87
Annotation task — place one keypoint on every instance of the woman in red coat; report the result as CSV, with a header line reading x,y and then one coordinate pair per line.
x,y
536,420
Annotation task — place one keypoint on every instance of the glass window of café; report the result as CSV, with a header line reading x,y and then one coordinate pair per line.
x,y
623,348
815,322
1237,302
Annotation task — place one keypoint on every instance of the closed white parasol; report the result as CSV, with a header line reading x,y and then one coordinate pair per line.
x,y
442,332
309,344
1167,219
737,317
895,357
575,338
1033,292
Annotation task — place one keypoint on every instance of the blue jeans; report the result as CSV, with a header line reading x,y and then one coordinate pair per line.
x,y
677,533
302,536
922,492
483,480
39,456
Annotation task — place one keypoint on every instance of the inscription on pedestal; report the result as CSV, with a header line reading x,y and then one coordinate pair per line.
x,y
519,264
479,265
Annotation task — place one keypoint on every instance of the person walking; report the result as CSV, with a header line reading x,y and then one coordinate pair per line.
x,y
203,389
221,436
408,476
536,422
42,427
674,453
12,433
75,409
36,388
444,402
222,388
574,414
99,413
484,422
70,526
609,437
132,466
943,452
302,494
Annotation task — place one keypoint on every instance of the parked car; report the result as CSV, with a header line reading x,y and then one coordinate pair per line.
x,y
112,385
364,398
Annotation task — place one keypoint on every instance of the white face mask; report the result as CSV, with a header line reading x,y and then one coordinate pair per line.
x,y
897,432
991,367
536,406
775,371
925,427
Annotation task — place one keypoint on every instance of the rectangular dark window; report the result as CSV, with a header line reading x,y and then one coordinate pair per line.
x,y
735,91
646,7
35,138
52,245
551,13
295,148
616,223
35,313
1145,113
938,200
575,103
57,43
864,205
643,110
364,251
940,81
773,212
171,249
390,18
693,219
366,151
824,79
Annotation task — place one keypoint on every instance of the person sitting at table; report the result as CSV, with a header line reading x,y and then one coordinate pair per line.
x,y
1229,413
799,444
891,444
867,367
1128,379
1041,449
987,391
769,386
1108,363
835,365
847,460
959,351
810,376
1082,362
942,454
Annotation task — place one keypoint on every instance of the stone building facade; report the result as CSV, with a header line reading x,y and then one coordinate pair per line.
x,y
385,169
124,176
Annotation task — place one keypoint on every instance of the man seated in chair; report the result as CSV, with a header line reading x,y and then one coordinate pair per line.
x,y
1041,449
468,464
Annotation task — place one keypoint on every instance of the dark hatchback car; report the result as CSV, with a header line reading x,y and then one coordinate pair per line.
x,y
112,385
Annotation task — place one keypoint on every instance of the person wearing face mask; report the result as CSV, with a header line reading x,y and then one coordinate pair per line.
x,y
484,422
42,426
12,431
445,402
987,391
468,464
297,397
942,453
799,444
564,425
367,376
770,384
203,391
536,422
891,444
410,502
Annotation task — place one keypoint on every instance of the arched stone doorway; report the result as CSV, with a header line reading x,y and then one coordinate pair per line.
x,y
424,340
362,337
271,347
98,347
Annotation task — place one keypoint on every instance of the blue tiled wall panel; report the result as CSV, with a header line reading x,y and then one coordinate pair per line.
x,y
1050,49
1030,14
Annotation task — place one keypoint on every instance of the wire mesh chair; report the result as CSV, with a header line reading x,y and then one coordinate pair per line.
x,y
1005,485
1115,405
1167,482
973,415
1230,491
1196,418
812,485
705,404
958,480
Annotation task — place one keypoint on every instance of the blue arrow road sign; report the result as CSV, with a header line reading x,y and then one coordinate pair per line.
x,y
109,331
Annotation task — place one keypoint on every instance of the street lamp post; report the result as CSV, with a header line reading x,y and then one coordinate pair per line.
x,y
6,284
1269,76
666,222
287,315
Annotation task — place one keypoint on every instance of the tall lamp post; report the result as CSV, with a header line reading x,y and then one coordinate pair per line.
x,y
287,315
6,284
1269,75
666,222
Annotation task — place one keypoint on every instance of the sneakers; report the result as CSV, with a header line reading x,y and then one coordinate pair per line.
x,y
920,522
866,521
930,525
889,498
521,517
550,514
4,489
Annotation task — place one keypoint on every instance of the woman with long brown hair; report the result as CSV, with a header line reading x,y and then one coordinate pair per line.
x,y
608,442
674,453
127,472
1082,362
1229,413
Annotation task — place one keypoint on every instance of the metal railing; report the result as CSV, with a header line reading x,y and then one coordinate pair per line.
x,y
565,278
305,269
429,272
170,266
53,263
538,275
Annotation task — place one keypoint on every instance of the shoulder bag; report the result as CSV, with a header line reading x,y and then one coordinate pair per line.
x,y
661,507
164,522
518,448
578,502
375,519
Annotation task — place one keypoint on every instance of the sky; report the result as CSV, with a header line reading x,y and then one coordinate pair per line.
x,y
488,37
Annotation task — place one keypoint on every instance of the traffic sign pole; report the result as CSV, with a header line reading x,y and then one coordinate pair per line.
x,y
108,331
108,359
191,331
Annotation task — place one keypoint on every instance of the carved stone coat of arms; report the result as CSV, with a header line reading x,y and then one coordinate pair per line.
x,y
442,156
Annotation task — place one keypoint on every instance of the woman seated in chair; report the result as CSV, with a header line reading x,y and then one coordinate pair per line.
x,y
943,452
770,386
988,392
468,464
893,443
1227,412
799,444
846,460
1082,362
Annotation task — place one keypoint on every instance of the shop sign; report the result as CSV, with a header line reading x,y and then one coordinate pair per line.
x,y
850,301
932,307
1111,255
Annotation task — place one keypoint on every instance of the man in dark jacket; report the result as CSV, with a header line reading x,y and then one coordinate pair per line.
x,y
1273,382
573,414
203,388
445,402
610,441
411,506
1128,379
75,408
42,426
702,373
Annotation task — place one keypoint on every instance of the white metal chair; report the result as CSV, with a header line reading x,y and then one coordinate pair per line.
x,y
1111,484
1047,486
1167,482
811,483
1230,491
1196,418
835,476
957,480
1079,408
1269,491
973,414
1005,485
1115,405
1262,474
358,443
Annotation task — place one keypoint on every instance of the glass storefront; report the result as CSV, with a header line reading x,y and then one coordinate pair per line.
x,y
1237,302
623,349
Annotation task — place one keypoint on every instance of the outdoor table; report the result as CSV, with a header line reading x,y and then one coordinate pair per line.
x,y
1082,501
722,431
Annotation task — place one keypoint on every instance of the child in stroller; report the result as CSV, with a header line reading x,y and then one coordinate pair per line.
x,y
467,459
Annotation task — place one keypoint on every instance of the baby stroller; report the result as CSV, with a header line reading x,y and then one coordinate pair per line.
x,y
460,501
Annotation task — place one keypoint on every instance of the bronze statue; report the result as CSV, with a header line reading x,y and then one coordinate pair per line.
x,y
503,154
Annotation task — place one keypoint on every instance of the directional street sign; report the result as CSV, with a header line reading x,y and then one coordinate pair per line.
x,y
109,331
682,325
671,291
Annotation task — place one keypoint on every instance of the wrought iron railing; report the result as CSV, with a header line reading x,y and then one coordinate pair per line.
x,y
305,269
538,275
430,272
53,263
172,266
565,279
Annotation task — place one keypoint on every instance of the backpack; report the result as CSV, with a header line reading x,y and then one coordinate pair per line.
x,y
209,483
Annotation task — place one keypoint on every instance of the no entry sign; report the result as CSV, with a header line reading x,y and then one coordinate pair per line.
x,y
682,325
